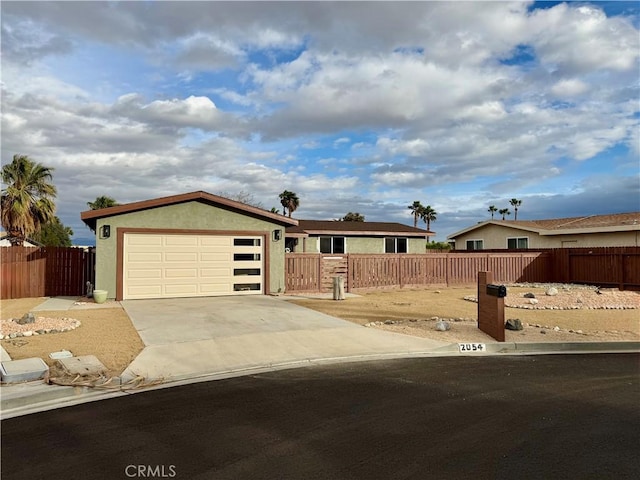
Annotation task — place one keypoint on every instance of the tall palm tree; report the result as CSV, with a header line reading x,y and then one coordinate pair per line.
x,y
27,201
289,201
492,210
416,207
515,203
428,215
503,212
102,202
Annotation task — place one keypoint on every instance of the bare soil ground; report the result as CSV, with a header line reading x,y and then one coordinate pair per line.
x,y
415,312
106,333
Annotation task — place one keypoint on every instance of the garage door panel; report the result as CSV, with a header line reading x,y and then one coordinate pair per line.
x,y
144,257
216,257
180,240
214,240
180,257
145,240
145,291
159,266
171,273
225,273
145,273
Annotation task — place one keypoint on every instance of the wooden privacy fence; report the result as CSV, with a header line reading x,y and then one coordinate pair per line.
x,y
314,272
46,271
611,266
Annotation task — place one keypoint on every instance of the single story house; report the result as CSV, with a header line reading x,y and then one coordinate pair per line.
x,y
4,241
188,245
337,237
616,230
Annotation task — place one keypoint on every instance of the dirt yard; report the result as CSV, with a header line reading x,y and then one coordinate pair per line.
x,y
415,312
108,333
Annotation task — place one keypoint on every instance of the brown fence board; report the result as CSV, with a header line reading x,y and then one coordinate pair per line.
x,y
619,266
48,271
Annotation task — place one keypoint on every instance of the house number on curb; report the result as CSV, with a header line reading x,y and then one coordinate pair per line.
x,y
472,347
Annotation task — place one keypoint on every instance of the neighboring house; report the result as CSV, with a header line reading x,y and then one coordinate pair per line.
x,y
189,245
335,237
617,230
4,241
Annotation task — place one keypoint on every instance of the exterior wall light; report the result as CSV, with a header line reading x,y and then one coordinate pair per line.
x,y
277,235
105,231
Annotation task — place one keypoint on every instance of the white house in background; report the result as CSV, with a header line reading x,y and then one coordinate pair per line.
x,y
616,230
4,241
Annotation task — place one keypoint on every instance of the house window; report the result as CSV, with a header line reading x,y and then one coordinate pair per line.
x,y
332,244
475,244
395,245
518,242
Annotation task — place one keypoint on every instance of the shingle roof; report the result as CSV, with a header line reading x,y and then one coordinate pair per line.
x,y
591,221
556,226
329,227
90,217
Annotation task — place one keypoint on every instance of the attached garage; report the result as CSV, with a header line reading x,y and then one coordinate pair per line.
x,y
215,246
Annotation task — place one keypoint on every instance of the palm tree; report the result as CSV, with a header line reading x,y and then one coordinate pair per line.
x,y
492,210
428,215
416,207
275,210
503,212
102,202
289,201
27,201
515,203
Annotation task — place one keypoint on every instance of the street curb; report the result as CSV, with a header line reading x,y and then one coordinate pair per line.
x,y
38,397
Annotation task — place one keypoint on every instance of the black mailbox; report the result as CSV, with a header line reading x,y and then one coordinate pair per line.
x,y
499,291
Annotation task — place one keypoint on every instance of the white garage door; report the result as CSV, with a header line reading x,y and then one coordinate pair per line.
x,y
166,266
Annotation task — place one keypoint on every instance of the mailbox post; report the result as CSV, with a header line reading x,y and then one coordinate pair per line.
x,y
491,306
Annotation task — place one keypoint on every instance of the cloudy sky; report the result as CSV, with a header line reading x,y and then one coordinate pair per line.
x,y
354,106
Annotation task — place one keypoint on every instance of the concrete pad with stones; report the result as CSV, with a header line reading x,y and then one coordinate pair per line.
x,y
199,336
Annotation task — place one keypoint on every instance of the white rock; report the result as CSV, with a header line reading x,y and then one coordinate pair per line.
x,y
551,291
556,329
533,301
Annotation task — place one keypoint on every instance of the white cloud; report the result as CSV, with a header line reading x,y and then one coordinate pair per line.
x,y
569,88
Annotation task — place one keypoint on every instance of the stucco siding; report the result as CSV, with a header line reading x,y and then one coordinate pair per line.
x,y
364,245
184,216
495,237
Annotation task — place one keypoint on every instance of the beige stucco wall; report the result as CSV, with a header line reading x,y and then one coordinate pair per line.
x,y
361,245
495,236
190,216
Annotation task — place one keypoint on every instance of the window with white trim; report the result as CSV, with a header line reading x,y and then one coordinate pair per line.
x,y
475,244
332,245
396,245
518,242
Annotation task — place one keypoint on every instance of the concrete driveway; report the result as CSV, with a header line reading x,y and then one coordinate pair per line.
x,y
190,337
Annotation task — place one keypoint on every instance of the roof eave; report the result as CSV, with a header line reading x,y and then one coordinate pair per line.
x,y
90,217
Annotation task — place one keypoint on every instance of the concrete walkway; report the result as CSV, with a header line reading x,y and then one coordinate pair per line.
x,y
200,336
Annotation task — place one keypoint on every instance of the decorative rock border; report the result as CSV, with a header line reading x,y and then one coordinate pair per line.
x,y
472,298
65,325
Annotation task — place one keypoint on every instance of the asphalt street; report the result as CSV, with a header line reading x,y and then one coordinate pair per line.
x,y
544,416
